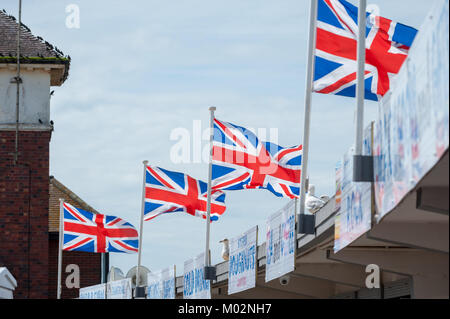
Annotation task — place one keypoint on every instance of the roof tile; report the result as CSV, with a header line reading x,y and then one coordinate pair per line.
x,y
57,191
33,49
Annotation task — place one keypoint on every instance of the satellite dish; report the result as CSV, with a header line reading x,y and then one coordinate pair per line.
x,y
115,274
143,271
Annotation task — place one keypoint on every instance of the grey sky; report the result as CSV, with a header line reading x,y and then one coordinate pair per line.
x,y
143,68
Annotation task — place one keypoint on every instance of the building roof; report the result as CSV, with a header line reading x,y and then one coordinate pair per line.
x,y
57,191
33,49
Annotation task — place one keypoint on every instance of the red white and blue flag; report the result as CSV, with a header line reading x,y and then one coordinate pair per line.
x,y
97,233
170,192
241,161
387,46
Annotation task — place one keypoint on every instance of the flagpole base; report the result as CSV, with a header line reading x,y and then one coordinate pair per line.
x,y
139,293
209,273
363,168
306,224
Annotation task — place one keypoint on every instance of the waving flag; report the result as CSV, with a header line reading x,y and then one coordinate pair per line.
x,y
387,46
97,233
169,192
241,161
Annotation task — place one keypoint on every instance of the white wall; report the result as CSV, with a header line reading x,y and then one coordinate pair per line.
x,y
34,97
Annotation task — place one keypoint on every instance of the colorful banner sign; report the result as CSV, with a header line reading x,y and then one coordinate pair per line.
x,y
355,213
280,242
412,130
154,290
119,289
93,292
243,261
195,287
338,195
161,284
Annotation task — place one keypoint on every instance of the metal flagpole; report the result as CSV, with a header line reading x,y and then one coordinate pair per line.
x,y
361,59
362,165
306,222
104,270
209,272
18,81
141,226
60,245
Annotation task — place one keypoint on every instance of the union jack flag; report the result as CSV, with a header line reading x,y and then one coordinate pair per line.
x,y
241,161
387,46
169,192
97,233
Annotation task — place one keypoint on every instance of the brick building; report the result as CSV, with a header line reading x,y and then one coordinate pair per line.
x,y
26,233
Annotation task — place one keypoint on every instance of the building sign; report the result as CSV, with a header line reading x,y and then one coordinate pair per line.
x,y
354,217
154,290
243,261
195,287
280,242
161,284
93,292
168,277
412,130
119,289
338,195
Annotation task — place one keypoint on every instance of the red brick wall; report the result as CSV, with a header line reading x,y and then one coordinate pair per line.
x,y
24,200
89,263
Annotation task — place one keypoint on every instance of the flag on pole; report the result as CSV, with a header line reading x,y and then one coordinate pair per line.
x,y
97,233
387,46
241,161
169,192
